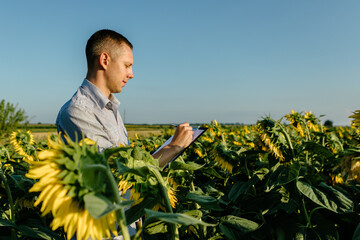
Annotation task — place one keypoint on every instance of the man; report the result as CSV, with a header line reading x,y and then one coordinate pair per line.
x,y
93,110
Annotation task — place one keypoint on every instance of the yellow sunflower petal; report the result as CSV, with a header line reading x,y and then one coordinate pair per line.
x,y
49,196
43,194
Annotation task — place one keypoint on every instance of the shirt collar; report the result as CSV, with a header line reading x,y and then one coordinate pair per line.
x,y
99,96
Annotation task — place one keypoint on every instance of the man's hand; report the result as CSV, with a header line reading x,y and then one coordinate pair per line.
x,y
183,136
181,139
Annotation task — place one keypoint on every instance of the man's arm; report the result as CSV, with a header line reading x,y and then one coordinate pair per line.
x,y
182,138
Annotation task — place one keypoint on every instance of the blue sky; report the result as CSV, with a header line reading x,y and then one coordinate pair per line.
x,y
196,61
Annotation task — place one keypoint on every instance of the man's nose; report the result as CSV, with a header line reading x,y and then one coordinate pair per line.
x,y
131,75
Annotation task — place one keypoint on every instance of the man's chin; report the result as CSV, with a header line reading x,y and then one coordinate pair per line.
x,y
118,90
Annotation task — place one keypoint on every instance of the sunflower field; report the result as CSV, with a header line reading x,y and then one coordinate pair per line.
x,y
291,178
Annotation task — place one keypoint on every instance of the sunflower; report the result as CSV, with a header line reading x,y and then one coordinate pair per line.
x,y
24,203
356,118
138,196
350,166
271,136
311,121
172,198
336,179
251,144
295,120
62,190
355,170
172,182
124,186
22,143
246,130
340,133
141,185
237,143
272,147
207,139
225,165
198,152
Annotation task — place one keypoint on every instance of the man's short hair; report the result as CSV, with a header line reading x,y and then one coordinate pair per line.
x,y
104,40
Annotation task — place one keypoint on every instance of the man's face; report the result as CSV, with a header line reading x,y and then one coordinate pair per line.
x,y
120,69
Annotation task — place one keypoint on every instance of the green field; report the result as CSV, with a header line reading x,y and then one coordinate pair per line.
x,y
274,180
41,131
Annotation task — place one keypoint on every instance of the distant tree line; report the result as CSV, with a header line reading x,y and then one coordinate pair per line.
x,y
10,117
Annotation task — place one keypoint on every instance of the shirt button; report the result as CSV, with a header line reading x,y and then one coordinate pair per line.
x,y
109,105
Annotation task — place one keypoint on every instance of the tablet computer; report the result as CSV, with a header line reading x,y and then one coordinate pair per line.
x,y
197,132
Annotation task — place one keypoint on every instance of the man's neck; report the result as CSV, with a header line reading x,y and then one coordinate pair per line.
x,y
99,81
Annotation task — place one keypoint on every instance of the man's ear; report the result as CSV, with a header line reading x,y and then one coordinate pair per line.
x,y
104,59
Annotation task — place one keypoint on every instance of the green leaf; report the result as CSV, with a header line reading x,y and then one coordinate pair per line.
x,y
62,161
175,218
110,151
156,227
93,176
70,178
261,173
356,235
316,148
70,165
70,151
137,153
137,211
20,181
241,188
327,197
39,233
211,191
235,227
194,213
190,166
283,175
301,233
7,223
62,174
34,233
325,228
205,201
217,237
47,233
99,206
269,202
140,171
212,172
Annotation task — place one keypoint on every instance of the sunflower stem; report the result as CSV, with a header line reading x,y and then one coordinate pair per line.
x,y
202,229
323,135
11,202
287,137
164,192
307,218
121,219
302,206
192,188
307,132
